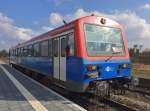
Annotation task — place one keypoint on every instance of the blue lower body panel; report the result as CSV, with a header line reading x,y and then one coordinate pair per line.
x,y
76,69
39,64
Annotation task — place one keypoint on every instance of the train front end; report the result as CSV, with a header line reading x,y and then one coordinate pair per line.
x,y
104,53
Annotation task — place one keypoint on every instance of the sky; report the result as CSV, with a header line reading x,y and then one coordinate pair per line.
x,y
20,20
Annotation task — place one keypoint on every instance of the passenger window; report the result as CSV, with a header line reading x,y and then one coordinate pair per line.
x,y
25,51
71,45
55,47
63,47
50,48
21,52
44,48
15,52
11,52
18,51
30,50
36,49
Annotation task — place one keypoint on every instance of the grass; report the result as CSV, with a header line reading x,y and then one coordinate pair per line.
x,y
141,70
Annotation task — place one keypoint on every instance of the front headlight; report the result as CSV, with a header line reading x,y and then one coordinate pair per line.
x,y
124,66
91,67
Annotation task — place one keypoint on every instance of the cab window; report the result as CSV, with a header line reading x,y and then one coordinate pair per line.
x,y
71,44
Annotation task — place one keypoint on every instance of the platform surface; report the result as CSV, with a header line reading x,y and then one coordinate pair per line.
x,y
21,93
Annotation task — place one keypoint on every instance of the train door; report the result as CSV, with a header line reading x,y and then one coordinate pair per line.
x,y
56,58
59,46
63,44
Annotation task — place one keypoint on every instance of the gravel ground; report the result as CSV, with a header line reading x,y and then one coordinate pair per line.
x,y
132,102
138,96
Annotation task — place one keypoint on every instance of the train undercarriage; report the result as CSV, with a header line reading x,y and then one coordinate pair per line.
x,y
115,86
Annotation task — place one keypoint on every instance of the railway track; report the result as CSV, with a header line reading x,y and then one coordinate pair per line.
x,y
132,103
141,91
143,87
114,104
119,106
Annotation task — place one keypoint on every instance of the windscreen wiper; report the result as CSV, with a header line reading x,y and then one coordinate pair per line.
x,y
109,58
112,56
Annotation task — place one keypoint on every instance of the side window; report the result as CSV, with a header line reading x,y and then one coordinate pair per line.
x,y
11,52
55,47
50,48
15,52
63,47
44,48
21,52
18,52
25,52
36,48
71,44
30,50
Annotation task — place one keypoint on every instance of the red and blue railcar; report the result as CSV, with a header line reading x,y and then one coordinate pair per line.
x,y
88,50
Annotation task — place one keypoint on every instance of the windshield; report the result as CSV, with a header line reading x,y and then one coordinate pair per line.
x,y
103,41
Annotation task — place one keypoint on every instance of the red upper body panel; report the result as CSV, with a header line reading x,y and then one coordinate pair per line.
x,y
80,42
